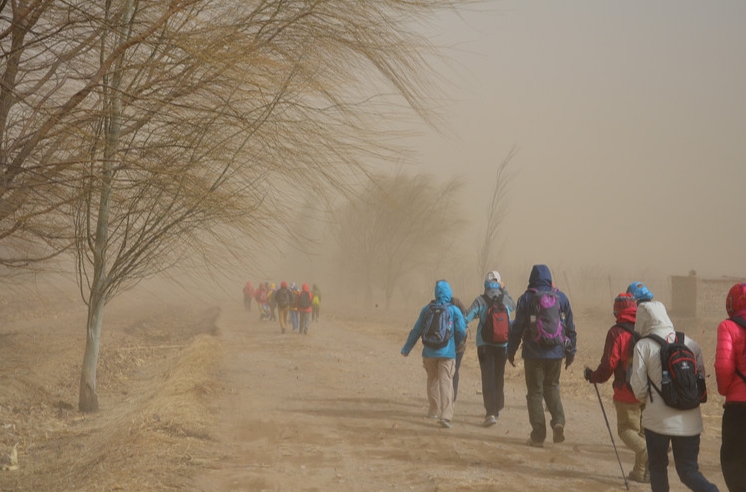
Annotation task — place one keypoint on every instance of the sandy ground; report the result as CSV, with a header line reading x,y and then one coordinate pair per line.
x,y
341,409
204,397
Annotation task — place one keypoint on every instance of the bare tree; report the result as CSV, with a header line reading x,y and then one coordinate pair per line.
x,y
397,225
39,97
208,110
490,239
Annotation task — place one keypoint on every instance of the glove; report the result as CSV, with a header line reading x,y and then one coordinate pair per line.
x,y
569,360
511,359
587,374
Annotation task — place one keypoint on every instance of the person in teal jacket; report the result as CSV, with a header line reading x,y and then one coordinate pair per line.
x,y
440,363
492,356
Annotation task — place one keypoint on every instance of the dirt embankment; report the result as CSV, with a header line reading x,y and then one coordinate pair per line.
x,y
156,381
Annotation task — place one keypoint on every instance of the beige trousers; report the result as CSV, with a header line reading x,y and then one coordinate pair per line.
x,y
629,428
440,386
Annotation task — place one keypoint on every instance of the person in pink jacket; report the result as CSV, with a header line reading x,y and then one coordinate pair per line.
x,y
305,306
730,370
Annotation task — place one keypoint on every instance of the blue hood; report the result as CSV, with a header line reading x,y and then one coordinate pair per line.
x,y
443,292
540,278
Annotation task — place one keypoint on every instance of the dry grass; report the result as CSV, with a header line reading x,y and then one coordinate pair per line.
x,y
156,387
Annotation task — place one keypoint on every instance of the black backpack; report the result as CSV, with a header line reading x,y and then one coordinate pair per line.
x,y
437,326
681,386
304,300
282,297
742,323
497,323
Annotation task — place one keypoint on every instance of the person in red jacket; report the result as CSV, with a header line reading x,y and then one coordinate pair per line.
x,y
730,371
616,358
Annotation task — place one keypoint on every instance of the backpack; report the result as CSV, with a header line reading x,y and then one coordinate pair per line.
x,y
742,323
497,323
628,327
546,319
680,383
304,300
437,325
283,297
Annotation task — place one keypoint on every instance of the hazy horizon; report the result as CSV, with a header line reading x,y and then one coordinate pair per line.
x,y
629,119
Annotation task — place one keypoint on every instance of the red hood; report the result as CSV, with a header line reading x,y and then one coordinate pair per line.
x,y
735,303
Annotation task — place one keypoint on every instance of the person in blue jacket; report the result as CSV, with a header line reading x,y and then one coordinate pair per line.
x,y
542,363
440,364
492,356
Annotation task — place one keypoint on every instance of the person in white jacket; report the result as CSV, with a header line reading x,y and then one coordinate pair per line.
x,y
664,424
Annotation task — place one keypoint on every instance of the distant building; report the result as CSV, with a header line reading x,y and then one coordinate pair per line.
x,y
697,297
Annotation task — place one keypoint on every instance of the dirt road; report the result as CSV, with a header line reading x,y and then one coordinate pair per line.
x,y
340,409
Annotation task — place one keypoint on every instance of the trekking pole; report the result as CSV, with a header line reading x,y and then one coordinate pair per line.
x,y
600,402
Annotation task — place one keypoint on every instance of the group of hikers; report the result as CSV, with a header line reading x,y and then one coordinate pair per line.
x,y
300,306
658,373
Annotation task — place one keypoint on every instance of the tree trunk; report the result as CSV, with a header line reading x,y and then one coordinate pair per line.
x,y
88,398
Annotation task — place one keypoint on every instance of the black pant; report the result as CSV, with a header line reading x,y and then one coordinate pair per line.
x,y
492,365
685,455
733,449
459,357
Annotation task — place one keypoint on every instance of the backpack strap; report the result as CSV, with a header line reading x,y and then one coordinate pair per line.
x,y
742,323
660,341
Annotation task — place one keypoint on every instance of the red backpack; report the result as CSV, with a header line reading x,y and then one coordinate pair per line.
x,y
497,324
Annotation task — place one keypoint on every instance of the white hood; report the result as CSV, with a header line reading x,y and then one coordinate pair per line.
x,y
652,318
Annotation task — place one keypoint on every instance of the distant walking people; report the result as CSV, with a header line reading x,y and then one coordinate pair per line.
x,y
730,370
294,307
282,298
544,325
315,302
441,328
616,360
491,308
664,424
271,302
248,295
305,303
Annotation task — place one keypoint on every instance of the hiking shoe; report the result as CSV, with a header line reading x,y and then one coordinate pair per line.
x,y
638,477
559,433
489,421
535,444
445,423
433,416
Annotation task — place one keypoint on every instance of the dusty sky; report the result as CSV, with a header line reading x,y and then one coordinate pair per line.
x,y
630,123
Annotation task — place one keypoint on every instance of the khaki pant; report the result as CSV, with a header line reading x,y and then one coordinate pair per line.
x,y
282,313
440,386
629,428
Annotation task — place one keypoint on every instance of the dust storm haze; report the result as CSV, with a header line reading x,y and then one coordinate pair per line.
x,y
629,118
629,122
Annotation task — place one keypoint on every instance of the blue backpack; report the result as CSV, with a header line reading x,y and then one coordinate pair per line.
x,y
437,325
546,327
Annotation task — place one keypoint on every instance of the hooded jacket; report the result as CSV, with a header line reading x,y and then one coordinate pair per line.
x,y
479,308
541,280
616,357
443,295
731,348
652,318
